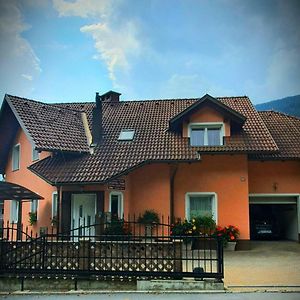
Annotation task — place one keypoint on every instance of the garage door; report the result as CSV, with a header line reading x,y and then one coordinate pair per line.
x,y
274,217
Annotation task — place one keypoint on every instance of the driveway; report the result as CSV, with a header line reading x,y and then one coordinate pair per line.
x,y
267,264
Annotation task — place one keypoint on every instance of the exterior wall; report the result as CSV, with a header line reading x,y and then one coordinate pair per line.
x,y
225,175
206,114
150,189
29,180
274,177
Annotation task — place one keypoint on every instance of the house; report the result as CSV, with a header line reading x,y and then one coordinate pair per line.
x,y
179,157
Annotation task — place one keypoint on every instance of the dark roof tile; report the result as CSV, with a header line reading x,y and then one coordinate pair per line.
x,y
153,141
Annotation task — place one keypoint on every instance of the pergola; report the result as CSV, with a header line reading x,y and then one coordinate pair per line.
x,y
12,191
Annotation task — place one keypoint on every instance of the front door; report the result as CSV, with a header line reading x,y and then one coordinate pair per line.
x,y
83,214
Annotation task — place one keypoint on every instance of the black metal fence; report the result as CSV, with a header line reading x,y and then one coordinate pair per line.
x,y
115,249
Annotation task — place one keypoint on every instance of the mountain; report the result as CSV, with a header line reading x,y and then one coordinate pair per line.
x,y
288,105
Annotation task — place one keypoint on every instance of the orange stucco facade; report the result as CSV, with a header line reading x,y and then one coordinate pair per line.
x,y
282,177
29,180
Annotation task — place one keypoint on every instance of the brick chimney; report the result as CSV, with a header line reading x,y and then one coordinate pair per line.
x,y
97,128
111,96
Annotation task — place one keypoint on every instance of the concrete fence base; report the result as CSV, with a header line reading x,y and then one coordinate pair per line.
x,y
12,284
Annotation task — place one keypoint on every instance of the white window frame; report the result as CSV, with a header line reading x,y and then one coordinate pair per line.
x,y
33,153
14,211
123,133
13,157
120,203
54,205
203,194
205,126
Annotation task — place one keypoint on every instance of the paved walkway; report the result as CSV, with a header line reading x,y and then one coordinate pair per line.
x,y
267,264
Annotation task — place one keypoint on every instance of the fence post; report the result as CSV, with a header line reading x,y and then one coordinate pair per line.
x,y
178,258
220,258
84,253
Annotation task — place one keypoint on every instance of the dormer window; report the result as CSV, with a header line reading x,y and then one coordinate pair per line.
x,y
206,134
126,135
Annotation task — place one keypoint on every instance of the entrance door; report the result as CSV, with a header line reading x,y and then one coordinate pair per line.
x,y
83,214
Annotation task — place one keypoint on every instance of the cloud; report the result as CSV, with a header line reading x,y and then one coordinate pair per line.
x,y
17,56
114,46
28,77
115,42
84,8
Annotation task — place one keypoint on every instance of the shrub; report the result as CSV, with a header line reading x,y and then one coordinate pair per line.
x,y
149,217
117,227
185,228
204,224
32,218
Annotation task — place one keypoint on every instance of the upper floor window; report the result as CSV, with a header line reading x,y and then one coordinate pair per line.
x,y
16,157
206,134
34,154
126,135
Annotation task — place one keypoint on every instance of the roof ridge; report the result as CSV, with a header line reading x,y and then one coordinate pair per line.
x,y
39,102
279,112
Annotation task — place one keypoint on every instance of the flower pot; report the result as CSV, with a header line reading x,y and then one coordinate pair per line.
x,y
148,230
230,246
187,245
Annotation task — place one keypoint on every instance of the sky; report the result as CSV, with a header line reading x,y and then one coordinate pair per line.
x,y
65,51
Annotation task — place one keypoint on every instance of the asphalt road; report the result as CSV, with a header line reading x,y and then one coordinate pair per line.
x,y
156,296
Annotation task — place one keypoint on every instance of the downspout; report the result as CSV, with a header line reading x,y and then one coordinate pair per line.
x,y
172,182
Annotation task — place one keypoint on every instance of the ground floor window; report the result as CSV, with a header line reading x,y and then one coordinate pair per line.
x,y
116,204
14,209
34,206
201,204
54,204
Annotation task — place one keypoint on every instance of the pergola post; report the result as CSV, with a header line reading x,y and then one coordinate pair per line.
x,y
19,223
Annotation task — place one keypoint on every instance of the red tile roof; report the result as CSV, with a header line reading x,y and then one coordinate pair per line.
x,y
51,128
153,141
285,130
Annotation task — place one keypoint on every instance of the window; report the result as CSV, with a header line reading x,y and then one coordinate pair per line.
x,y
116,204
126,135
201,204
34,206
14,210
54,204
206,134
35,154
16,157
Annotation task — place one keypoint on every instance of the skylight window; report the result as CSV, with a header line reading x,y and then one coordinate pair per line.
x,y
126,135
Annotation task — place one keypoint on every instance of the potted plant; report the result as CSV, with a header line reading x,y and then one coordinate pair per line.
x,y
32,218
149,218
229,235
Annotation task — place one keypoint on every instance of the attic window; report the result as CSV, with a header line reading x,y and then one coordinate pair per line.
x,y
126,135
206,134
